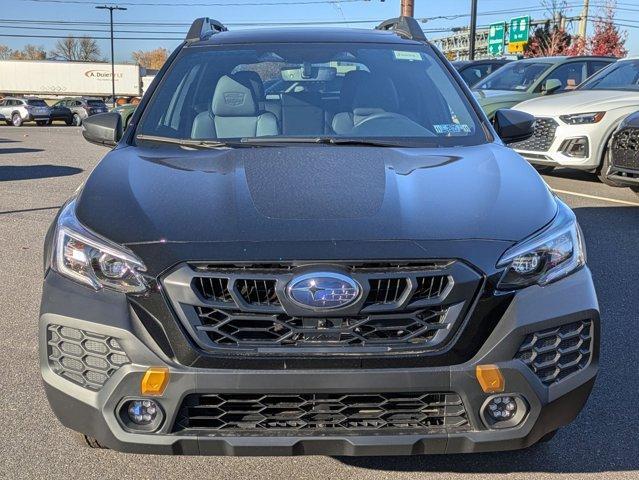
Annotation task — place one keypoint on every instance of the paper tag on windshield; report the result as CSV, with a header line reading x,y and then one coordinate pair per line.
x,y
403,55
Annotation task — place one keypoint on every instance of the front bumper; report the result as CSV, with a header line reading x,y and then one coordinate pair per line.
x,y
593,134
105,313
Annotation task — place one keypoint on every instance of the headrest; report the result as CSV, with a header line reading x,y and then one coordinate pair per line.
x,y
350,83
253,79
234,98
376,92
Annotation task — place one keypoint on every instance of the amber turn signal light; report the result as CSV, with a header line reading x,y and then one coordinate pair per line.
x,y
490,378
154,381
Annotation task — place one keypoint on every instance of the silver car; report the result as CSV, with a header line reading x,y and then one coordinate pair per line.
x,y
16,111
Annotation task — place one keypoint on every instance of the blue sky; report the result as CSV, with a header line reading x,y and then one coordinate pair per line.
x,y
179,11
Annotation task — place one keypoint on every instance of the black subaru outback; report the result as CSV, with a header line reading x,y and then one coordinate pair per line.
x,y
312,241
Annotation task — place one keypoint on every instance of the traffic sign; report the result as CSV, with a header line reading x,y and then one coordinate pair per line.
x,y
519,29
516,47
496,36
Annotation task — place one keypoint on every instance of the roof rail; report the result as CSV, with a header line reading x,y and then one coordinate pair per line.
x,y
203,27
405,27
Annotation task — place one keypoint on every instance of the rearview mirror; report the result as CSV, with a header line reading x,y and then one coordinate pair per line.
x,y
103,129
551,85
513,125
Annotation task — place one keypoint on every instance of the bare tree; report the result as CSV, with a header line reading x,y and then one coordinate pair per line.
x,y
66,49
5,52
88,50
29,52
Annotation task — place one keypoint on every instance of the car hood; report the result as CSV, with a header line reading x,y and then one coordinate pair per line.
x,y
313,194
578,101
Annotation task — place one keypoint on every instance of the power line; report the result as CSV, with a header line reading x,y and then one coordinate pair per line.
x,y
202,4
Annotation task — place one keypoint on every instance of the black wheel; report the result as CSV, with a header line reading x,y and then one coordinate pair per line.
x,y
87,441
76,121
602,171
548,437
42,123
68,121
544,169
16,120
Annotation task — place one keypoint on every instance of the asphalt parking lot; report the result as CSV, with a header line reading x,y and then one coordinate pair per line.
x,y
41,167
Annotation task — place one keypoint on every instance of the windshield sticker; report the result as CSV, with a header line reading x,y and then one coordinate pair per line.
x,y
452,128
403,55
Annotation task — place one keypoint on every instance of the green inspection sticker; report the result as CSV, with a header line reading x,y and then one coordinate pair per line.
x,y
403,55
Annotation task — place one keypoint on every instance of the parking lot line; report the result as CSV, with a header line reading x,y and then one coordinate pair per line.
x,y
595,197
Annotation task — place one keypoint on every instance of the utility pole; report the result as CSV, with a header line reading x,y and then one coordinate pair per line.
x,y
583,21
473,30
110,8
408,8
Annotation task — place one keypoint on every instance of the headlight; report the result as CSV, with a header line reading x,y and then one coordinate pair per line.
x,y
88,258
546,257
582,118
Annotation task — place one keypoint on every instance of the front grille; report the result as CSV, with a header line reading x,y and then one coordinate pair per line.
x,y
625,149
245,329
556,353
541,139
85,358
246,308
326,413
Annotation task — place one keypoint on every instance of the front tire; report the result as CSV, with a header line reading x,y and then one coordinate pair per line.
x,y
76,121
544,169
16,120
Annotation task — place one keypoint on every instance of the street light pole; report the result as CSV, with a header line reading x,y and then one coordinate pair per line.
x,y
473,29
407,8
110,8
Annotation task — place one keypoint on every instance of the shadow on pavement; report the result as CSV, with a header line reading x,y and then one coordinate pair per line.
x,y
14,150
604,436
6,140
29,172
574,175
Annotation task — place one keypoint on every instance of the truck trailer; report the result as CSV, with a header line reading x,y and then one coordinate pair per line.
x,y
55,78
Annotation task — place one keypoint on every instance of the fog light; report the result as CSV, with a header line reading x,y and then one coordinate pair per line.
x,y
502,408
143,415
503,411
575,147
142,412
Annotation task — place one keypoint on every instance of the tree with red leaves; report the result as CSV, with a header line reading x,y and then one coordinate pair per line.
x,y
606,39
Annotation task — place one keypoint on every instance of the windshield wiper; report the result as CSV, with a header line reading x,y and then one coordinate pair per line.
x,y
185,142
334,141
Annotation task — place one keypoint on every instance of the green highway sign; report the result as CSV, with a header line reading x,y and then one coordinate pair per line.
x,y
496,36
519,28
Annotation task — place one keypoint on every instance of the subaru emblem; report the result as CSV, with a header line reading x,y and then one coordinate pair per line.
x,y
323,290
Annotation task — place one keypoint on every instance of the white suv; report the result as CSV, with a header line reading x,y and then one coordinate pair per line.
x,y
16,111
574,129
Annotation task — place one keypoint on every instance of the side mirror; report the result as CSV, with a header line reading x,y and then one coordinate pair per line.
x,y
513,125
103,129
551,85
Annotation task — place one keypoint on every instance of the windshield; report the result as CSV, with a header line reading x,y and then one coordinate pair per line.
x,y
623,75
37,103
96,103
515,76
286,92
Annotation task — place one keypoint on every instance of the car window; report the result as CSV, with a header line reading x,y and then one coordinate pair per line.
x,y
515,76
95,103
37,103
324,90
595,65
623,75
475,73
570,75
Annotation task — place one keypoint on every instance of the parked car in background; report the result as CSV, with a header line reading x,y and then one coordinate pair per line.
x,y
623,169
472,71
82,108
126,112
532,77
574,129
61,113
16,111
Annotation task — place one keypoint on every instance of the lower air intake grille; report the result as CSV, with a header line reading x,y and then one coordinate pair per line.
x,y
85,358
555,353
430,412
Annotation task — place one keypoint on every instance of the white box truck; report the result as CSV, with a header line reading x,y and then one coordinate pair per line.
x,y
48,77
